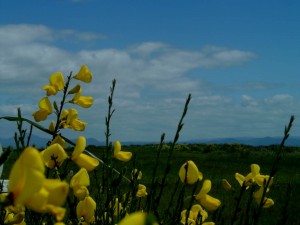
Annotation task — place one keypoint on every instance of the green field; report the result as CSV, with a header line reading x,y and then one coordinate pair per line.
x,y
223,161
217,162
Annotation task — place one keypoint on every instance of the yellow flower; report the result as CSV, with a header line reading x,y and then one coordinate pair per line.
x,y
83,160
197,209
45,110
50,198
14,215
82,101
189,173
189,220
227,186
141,191
250,178
79,183
26,178
86,209
84,74
268,202
208,202
54,155
117,207
69,119
136,174
194,215
120,155
136,218
260,179
58,191
56,84
29,187
59,140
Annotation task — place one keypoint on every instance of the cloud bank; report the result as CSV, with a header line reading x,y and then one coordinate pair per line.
x,y
153,81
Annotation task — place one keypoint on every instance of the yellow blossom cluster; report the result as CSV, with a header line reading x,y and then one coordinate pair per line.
x,y
189,174
29,187
254,178
68,117
197,215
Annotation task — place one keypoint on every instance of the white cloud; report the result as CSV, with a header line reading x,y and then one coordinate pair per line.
x,y
248,101
279,99
152,83
147,48
214,56
24,33
11,109
27,33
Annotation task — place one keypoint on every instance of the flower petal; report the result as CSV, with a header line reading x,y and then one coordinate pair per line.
x,y
240,178
86,209
136,218
117,147
81,192
196,209
255,169
40,115
58,191
54,151
123,156
79,147
26,178
87,162
78,125
227,186
81,178
206,186
51,90
268,203
57,80
38,201
75,89
141,191
120,155
84,74
210,203
59,140
85,101
189,173
45,104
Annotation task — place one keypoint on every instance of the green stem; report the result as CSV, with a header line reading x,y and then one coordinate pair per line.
x,y
153,182
168,166
108,118
62,103
274,168
238,202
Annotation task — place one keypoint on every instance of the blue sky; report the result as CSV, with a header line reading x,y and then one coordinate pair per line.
x,y
238,59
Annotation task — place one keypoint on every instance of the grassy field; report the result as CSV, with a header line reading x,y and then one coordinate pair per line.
x,y
217,162
223,161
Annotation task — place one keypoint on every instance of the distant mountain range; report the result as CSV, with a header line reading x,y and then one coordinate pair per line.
x,y
42,142
265,141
